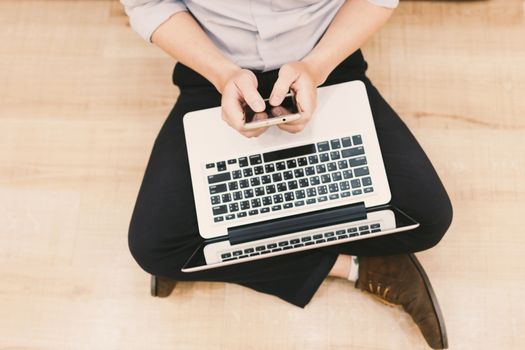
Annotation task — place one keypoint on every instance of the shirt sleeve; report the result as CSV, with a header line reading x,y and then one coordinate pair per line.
x,y
385,3
145,16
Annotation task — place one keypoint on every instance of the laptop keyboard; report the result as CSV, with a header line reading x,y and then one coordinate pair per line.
x,y
289,178
300,241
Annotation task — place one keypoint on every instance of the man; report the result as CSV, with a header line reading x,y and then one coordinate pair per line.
x,y
241,51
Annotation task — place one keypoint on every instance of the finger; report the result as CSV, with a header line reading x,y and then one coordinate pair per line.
x,y
292,128
281,87
232,112
247,87
306,99
253,133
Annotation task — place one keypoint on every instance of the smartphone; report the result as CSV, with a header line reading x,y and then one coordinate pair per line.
x,y
287,111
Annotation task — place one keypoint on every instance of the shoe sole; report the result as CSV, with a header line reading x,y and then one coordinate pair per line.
x,y
435,304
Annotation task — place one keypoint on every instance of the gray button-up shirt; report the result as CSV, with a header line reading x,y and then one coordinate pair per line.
x,y
254,34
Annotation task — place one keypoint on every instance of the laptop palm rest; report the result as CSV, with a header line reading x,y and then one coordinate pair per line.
x,y
296,223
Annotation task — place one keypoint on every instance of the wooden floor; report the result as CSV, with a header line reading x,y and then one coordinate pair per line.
x,y
81,101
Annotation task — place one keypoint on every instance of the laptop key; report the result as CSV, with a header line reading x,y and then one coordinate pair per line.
x,y
210,165
367,181
321,168
215,200
331,166
272,245
369,190
259,191
345,194
306,239
278,198
243,162
291,163
329,234
269,168
347,174
357,161
335,144
375,226
236,174
245,205
226,255
241,214
233,207
230,216
232,161
287,205
280,166
258,170
322,189
244,183
294,241
352,152
276,250
340,232
226,197
355,183
333,196
357,192
298,173
309,243
256,203
342,164
347,141
317,236
333,188
237,253
302,161
323,157
276,207
326,178
323,146
218,219
283,243
309,170
254,254
265,210
266,179
221,166
281,187
342,237
288,175
287,247
335,155
299,203
219,178
331,239
220,209
322,199
336,176
313,159
237,195
247,172
276,177
255,159
298,245
357,139
214,189
260,248
292,185
361,171
320,241
253,212
311,201
265,252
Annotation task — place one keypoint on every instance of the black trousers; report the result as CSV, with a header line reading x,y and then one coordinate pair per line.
x,y
163,231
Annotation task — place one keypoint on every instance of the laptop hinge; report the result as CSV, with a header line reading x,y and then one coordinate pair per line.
x,y
296,223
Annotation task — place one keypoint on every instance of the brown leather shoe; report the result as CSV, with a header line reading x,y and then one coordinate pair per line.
x,y
401,280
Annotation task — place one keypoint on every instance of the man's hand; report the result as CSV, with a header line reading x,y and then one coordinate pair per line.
x,y
240,88
301,79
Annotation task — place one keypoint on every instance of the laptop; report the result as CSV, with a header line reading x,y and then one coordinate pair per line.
x,y
282,193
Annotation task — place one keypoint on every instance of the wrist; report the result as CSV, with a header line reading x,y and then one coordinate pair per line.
x,y
223,75
317,68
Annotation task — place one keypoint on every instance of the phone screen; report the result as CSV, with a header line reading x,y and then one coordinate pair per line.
x,y
288,106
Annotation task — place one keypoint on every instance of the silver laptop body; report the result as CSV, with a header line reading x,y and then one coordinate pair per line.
x,y
281,193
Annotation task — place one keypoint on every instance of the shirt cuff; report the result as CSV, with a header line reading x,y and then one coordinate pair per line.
x,y
391,4
146,18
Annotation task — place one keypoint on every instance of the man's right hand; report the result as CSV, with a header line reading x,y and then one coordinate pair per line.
x,y
240,88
